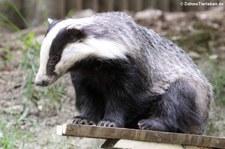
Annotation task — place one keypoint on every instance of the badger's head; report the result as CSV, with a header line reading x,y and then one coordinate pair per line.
x,y
68,42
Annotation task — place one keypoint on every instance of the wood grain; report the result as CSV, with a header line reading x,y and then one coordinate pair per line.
x,y
140,135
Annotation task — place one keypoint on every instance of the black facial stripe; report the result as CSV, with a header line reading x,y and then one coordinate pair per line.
x,y
64,37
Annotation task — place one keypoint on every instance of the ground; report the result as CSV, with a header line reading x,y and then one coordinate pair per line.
x,y
29,114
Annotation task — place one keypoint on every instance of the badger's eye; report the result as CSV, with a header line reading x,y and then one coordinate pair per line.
x,y
54,59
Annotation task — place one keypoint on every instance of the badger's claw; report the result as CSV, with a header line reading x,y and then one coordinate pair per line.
x,y
152,124
81,121
107,124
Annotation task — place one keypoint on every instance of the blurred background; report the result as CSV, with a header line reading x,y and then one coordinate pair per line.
x,y
29,114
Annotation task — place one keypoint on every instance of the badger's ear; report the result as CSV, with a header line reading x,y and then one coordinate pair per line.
x,y
76,33
50,21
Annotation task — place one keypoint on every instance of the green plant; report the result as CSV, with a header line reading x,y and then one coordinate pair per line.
x,y
5,21
8,56
12,135
211,129
28,66
219,87
29,63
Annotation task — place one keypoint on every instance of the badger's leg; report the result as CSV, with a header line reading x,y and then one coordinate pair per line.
x,y
90,109
89,101
176,111
123,109
114,115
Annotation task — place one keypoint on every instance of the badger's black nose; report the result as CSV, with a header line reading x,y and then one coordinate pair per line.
x,y
41,83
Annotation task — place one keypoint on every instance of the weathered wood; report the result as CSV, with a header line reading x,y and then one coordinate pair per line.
x,y
140,135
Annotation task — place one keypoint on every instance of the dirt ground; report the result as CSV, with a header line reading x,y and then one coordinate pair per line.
x,y
29,114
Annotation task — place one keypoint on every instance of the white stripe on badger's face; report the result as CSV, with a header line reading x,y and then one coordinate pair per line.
x,y
89,47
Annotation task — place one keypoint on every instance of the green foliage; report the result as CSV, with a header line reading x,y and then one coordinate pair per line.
x,y
5,21
211,128
12,135
29,62
7,54
204,27
219,84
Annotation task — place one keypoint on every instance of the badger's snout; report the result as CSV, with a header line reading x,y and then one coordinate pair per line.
x,y
41,83
42,80
45,80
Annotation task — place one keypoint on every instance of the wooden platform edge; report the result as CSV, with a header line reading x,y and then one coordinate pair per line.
x,y
140,135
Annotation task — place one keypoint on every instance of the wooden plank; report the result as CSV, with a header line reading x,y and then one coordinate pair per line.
x,y
140,135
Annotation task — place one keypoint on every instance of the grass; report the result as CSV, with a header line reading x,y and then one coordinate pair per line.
x,y
29,61
5,21
13,136
7,56
219,83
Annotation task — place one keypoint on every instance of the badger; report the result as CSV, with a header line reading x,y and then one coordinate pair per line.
x,y
125,75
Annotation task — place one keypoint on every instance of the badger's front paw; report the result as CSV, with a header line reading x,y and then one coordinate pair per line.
x,y
81,120
155,124
107,123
